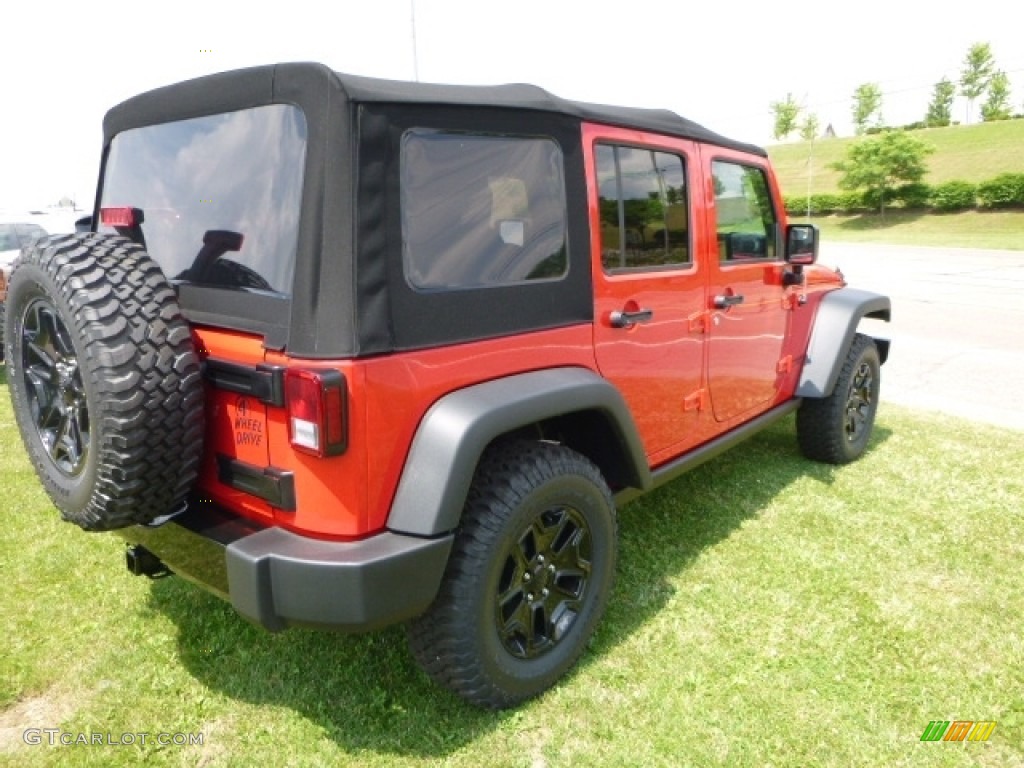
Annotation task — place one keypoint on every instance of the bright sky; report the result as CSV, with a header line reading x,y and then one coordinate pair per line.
x,y
63,64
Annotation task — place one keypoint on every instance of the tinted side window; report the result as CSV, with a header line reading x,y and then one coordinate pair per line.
x,y
745,216
219,195
481,210
643,202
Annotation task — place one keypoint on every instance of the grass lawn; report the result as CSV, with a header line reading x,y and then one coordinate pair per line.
x,y
969,229
972,153
768,611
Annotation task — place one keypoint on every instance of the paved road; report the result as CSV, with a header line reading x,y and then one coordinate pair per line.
x,y
957,326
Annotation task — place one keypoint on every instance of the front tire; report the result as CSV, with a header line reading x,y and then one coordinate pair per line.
x,y
836,429
529,576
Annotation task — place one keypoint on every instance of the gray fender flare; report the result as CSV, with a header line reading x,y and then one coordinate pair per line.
x,y
834,327
455,431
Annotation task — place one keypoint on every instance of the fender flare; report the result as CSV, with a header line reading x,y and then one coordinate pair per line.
x,y
456,429
834,327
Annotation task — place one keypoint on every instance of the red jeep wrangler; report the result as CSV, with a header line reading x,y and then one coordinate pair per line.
x,y
350,352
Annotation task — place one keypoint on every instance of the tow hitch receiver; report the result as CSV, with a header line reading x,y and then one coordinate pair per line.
x,y
142,562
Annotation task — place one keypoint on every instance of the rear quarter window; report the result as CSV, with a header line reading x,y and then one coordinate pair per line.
x,y
480,210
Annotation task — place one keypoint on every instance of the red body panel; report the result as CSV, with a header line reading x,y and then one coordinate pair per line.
x,y
691,373
657,366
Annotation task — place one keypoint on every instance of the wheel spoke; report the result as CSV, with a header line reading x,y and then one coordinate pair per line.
x,y
78,438
516,630
858,402
527,546
570,581
40,354
539,636
543,580
40,381
54,385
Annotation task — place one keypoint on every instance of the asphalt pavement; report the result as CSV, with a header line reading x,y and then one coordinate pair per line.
x,y
957,326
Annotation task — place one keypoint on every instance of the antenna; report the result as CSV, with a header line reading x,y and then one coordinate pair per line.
x,y
810,164
415,49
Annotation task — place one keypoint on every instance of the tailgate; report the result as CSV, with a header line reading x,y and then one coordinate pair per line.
x,y
236,465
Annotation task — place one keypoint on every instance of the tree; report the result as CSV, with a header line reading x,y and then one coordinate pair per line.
x,y
976,74
997,105
809,127
867,103
786,113
940,110
880,164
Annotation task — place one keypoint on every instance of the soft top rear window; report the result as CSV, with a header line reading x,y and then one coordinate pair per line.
x,y
218,196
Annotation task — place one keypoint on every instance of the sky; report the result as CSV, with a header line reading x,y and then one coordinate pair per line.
x,y
64,63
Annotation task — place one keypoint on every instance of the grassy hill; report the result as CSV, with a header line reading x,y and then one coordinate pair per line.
x,y
972,153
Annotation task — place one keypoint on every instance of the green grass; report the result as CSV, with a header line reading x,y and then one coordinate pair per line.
x,y
768,611
972,153
969,229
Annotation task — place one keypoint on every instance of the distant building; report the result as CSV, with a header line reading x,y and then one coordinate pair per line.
x,y
830,132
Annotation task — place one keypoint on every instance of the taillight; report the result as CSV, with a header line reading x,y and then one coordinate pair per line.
x,y
118,217
317,411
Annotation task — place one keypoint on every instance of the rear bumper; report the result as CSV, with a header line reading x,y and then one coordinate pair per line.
x,y
277,578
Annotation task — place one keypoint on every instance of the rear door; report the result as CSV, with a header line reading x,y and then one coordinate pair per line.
x,y
649,290
748,303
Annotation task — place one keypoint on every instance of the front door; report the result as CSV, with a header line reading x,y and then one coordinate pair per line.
x,y
649,290
749,312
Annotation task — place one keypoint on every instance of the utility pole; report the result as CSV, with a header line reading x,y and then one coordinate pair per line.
x,y
415,50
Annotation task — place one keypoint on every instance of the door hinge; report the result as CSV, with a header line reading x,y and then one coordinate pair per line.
x,y
698,401
794,300
698,321
785,364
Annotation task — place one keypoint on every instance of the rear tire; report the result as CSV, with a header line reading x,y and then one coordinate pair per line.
x,y
104,380
529,576
836,429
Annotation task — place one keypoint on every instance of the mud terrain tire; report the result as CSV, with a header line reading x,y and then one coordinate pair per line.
x,y
836,429
528,579
104,380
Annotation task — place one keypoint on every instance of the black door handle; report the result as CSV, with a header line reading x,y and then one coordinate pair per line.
x,y
622,319
724,302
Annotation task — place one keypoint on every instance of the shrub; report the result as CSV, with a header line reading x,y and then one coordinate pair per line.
x,y
794,205
820,204
825,202
850,202
953,196
912,195
1005,190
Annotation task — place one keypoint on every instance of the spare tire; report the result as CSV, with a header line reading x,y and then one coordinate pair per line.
x,y
104,380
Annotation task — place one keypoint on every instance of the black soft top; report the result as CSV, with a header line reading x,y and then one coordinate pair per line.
x,y
349,296
206,95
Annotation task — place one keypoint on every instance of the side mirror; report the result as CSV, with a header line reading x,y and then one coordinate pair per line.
x,y
801,244
84,224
